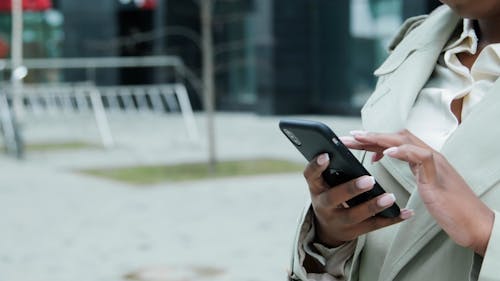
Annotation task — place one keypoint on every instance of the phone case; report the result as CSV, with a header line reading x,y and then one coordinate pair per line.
x,y
312,138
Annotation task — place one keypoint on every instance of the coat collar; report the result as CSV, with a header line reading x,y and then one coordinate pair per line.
x,y
388,107
406,70
387,111
464,149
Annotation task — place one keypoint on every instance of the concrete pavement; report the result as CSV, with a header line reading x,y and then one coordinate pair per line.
x,y
58,224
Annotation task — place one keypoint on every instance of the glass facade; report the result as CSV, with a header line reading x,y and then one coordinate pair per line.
x,y
234,52
372,24
271,56
303,56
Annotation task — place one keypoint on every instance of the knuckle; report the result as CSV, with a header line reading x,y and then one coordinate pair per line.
x,y
327,214
405,146
374,223
428,155
405,135
319,184
346,217
384,222
315,191
373,208
377,222
380,222
351,188
311,170
307,171
438,157
323,202
403,132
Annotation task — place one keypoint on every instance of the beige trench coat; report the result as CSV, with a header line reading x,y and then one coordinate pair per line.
x,y
418,249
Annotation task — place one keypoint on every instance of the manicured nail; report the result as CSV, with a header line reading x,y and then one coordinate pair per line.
x,y
386,200
365,182
406,214
323,159
347,139
376,157
358,133
391,151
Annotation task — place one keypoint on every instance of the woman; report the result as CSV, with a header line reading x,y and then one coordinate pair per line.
x,y
431,141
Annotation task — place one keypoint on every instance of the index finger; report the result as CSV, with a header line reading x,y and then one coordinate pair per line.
x,y
422,158
386,140
351,143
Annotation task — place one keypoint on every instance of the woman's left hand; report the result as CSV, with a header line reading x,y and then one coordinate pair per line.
x,y
448,198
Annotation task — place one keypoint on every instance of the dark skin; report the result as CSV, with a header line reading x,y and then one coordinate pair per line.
x,y
437,181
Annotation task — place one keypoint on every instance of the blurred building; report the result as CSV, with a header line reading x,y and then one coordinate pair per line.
x,y
271,56
295,57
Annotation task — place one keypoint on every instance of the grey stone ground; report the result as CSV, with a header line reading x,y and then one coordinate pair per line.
x,y
59,225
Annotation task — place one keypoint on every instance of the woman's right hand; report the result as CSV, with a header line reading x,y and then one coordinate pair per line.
x,y
336,224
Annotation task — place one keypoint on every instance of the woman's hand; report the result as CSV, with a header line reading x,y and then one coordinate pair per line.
x,y
335,224
448,198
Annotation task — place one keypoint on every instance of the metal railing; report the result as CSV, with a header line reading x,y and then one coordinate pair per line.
x,y
87,98
91,64
157,98
67,98
98,62
78,97
10,129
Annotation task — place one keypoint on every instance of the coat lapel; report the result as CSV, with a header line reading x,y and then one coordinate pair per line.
x,y
387,111
389,106
475,143
471,145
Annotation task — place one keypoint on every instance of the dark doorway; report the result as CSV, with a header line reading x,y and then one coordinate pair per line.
x,y
135,28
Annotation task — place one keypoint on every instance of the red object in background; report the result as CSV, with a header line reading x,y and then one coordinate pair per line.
x,y
148,4
30,5
4,48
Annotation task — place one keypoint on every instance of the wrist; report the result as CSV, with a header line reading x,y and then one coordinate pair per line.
x,y
329,243
483,232
324,238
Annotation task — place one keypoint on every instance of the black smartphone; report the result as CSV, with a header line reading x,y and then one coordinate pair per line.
x,y
312,138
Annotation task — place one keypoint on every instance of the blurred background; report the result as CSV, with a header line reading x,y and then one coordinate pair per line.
x,y
141,137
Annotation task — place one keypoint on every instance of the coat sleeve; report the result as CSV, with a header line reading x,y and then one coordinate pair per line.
x,y
489,266
335,262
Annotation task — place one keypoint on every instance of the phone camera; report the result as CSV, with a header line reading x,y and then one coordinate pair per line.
x,y
292,137
335,172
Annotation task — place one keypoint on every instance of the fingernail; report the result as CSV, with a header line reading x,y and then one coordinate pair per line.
x,y
358,132
375,158
347,139
391,151
406,214
323,159
365,182
386,200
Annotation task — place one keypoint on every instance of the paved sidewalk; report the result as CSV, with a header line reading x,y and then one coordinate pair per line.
x,y
59,225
